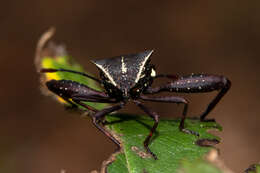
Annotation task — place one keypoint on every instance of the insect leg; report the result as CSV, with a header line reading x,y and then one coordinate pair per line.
x,y
96,119
79,101
71,104
74,92
71,90
100,114
173,99
198,83
93,99
85,105
169,76
155,117
223,90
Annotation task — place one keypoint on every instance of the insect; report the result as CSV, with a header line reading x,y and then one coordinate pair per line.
x,y
129,78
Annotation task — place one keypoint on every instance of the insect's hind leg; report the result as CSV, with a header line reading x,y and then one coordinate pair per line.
x,y
96,119
197,83
70,105
225,86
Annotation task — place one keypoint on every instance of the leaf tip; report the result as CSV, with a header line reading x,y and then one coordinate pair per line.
x,y
46,36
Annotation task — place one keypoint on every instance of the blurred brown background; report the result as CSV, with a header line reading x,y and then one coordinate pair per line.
x,y
221,37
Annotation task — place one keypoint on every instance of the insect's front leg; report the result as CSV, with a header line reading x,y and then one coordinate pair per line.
x,y
98,116
197,83
155,117
173,99
78,93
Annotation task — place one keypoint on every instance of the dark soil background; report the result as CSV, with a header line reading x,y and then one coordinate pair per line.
x,y
220,37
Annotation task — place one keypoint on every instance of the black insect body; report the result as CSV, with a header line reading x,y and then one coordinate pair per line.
x,y
129,77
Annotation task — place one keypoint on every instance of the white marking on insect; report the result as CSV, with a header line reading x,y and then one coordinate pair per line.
x,y
153,73
125,92
106,72
142,66
123,68
200,87
142,76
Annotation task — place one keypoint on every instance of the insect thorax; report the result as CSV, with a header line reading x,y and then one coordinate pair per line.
x,y
126,76
123,92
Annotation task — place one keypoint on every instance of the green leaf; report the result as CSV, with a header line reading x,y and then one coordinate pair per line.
x,y
52,55
63,62
169,144
175,150
199,166
255,168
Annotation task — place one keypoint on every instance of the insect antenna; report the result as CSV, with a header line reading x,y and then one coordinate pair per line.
x,y
51,70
